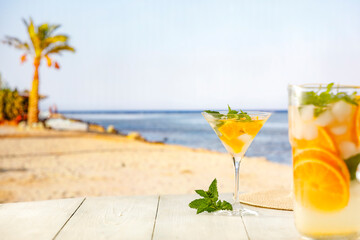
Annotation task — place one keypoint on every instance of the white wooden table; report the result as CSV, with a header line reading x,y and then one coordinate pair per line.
x,y
137,217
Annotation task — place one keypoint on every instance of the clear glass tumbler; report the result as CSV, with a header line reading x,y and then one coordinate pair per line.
x,y
324,132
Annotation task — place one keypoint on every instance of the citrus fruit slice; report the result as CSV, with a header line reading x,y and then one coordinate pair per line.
x,y
357,124
252,128
235,144
231,129
320,186
324,156
323,141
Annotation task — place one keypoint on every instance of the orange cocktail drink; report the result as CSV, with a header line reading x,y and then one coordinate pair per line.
x,y
236,130
324,132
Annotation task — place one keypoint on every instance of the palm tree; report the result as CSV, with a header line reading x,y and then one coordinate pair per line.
x,y
43,45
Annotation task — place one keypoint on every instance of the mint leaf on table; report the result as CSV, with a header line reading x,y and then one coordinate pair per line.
x,y
197,203
209,202
202,193
225,205
213,191
352,164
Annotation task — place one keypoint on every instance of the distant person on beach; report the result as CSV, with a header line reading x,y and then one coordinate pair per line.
x,y
53,110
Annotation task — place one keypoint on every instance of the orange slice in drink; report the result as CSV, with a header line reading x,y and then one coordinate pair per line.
x,y
323,140
252,128
231,129
320,186
357,123
326,157
235,144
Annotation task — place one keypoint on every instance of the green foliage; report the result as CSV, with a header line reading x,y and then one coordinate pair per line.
x,y
11,104
352,164
321,100
2,83
209,202
43,41
43,44
232,114
230,111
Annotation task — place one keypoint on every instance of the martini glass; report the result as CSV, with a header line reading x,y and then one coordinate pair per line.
x,y
236,134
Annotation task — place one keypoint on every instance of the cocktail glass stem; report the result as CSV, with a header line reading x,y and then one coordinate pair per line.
x,y
237,161
238,209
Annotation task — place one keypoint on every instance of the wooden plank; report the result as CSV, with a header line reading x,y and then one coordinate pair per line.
x,y
271,224
175,220
35,220
112,218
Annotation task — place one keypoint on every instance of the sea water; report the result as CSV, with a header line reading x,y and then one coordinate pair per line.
x,y
189,128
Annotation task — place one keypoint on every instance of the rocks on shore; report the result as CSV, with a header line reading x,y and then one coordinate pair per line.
x,y
111,129
66,124
35,126
96,128
135,136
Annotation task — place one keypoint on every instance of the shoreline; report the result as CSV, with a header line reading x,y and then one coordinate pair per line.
x,y
154,111
191,130
48,164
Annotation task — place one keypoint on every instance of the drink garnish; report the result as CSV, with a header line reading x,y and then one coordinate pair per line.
x,y
321,99
232,114
210,201
352,164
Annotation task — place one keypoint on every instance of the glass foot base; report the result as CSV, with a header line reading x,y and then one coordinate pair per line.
x,y
237,211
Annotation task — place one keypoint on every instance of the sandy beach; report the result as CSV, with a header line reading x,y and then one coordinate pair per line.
x,y
40,165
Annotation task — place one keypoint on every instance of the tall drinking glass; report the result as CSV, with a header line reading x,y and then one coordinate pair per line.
x,y
324,132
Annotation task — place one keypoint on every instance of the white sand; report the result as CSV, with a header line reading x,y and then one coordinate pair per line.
x,y
49,165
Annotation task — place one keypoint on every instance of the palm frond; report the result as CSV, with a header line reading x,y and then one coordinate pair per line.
x,y
59,48
43,41
17,43
33,35
52,28
42,31
54,40
57,38
25,22
45,30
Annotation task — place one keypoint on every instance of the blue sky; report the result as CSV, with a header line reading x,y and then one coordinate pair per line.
x,y
186,54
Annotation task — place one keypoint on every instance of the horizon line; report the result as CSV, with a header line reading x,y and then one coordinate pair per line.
x,y
154,111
